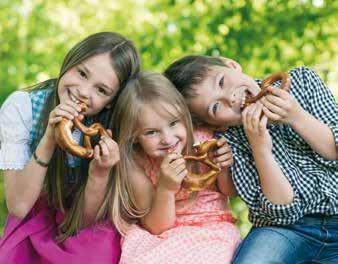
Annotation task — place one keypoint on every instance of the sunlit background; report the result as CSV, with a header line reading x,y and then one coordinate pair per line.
x,y
265,36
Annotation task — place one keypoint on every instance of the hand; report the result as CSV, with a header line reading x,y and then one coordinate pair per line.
x,y
255,127
222,156
68,110
281,106
106,155
172,172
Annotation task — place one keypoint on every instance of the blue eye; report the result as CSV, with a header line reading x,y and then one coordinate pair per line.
x,y
221,82
215,108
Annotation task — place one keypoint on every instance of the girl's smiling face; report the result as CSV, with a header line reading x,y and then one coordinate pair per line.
x,y
161,130
93,82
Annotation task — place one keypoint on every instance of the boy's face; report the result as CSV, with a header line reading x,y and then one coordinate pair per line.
x,y
219,97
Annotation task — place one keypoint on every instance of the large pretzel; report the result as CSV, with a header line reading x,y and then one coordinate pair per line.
x,y
197,182
280,76
63,136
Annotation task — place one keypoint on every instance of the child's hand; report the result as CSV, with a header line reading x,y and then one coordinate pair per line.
x,y
106,155
255,128
68,110
281,106
172,172
222,156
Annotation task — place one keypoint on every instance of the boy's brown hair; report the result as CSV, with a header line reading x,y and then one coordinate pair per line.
x,y
189,71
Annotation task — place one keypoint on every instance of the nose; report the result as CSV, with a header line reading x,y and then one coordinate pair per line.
x,y
83,92
166,138
229,95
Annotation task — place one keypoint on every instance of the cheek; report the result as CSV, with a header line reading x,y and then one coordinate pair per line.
x,y
148,143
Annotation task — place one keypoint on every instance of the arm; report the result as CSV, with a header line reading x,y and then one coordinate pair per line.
x,y
274,184
222,156
225,183
23,186
319,120
161,199
106,155
311,129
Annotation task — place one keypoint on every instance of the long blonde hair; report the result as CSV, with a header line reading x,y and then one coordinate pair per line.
x,y
145,88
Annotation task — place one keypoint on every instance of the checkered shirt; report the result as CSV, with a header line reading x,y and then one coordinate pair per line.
x,y
313,178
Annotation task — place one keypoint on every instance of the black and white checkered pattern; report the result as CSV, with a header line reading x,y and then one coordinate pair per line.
x,y
314,179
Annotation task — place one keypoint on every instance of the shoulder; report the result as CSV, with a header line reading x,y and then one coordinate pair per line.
x,y
140,184
17,105
303,74
138,176
17,97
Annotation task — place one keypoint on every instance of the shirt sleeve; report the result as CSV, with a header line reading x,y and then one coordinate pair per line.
x,y
317,99
246,180
15,127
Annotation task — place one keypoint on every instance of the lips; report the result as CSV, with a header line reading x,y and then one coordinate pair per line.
x,y
170,148
73,98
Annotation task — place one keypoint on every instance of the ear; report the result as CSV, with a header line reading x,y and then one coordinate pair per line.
x,y
231,63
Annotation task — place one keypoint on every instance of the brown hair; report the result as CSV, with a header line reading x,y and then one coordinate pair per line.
x,y
125,61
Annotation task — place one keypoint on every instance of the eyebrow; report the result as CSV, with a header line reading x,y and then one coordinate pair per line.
x,y
100,84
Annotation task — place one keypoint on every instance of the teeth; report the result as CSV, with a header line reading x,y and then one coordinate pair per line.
x,y
73,99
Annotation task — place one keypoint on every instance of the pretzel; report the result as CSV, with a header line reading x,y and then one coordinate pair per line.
x,y
196,182
280,76
63,135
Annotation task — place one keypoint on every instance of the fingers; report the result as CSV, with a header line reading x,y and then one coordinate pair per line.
x,y
251,116
68,110
107,151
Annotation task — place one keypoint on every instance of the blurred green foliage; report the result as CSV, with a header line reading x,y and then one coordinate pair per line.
x,y
265,36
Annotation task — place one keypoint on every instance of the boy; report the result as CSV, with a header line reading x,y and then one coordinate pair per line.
x,y
286,172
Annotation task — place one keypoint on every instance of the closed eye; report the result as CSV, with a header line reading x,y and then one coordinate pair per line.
x,y
215,108
221,82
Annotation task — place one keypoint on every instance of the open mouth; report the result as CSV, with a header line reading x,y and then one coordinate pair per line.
x,y
245,97
73,98
170,148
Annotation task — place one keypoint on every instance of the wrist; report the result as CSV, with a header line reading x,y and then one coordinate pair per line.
x,y
162,189
96,171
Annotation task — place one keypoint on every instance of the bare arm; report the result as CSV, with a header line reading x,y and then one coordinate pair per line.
x,y
95,191
22,188
225,183
311,129
106,155
274,184
161,199
282,107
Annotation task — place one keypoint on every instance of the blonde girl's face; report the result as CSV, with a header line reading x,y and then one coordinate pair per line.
x,y
93,82
161,130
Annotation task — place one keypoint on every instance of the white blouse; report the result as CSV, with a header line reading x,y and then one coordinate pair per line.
x,y
15,127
